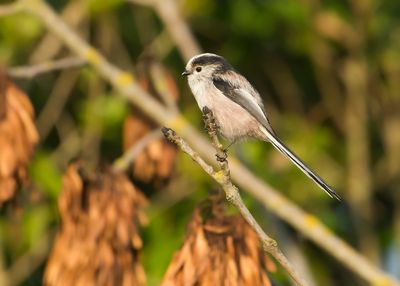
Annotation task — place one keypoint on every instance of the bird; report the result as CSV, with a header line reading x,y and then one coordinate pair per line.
x,y
237,107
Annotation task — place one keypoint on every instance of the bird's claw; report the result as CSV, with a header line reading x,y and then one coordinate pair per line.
x,y
222,158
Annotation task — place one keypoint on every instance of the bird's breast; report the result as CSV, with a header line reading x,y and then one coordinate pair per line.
x,y
233,120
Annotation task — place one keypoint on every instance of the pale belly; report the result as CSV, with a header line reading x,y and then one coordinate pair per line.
x,y
234,121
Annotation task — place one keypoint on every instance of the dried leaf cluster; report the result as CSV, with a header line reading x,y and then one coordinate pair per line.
x,y
98,243
219,250
18,137
155,163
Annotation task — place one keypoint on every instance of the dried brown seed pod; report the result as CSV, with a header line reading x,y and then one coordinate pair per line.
x,y
219,250
155,163
18,137
99,241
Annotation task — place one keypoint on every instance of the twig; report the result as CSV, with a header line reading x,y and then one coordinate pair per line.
x,y
74,13
4,275
123,162
233,196
303,222
160,81
222,177
34,70
162,44
55,103
23,267
169,13
360,186
70,145
10,9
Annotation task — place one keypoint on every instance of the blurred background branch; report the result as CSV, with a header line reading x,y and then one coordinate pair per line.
x,y
25,265
35,70
328,73
10,9
172,18
122,163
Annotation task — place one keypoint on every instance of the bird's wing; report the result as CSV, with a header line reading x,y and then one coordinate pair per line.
x,y
242,93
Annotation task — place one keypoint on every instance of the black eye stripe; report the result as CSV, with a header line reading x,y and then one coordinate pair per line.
x,y
220,63
208,59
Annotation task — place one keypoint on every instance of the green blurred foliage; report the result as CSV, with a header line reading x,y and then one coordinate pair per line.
x,y
96,6
25,30
46,175
105,111
35,223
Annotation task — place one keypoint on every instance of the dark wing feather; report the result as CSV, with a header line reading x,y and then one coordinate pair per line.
x,y
244,98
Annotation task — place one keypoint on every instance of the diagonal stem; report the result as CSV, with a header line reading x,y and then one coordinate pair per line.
x,y
223,178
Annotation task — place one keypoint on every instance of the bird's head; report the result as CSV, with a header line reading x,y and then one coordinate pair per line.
x,y
204,66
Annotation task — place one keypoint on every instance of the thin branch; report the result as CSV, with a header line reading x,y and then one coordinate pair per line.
x,y
74,13
10,9
56,102
26,264
181,143
123,162
356,120
169,13
4,275
162,44
160,81
222,177
71,144
233,196
35,70
303,222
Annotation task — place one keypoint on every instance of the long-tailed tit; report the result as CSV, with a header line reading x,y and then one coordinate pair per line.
x,y
237,106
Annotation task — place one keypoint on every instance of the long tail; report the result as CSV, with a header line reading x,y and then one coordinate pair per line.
x,y
296,160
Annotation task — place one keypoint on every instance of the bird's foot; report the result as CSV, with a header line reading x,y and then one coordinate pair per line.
x,y
223,157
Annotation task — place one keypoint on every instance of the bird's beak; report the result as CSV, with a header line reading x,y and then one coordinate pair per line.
x,y
186,73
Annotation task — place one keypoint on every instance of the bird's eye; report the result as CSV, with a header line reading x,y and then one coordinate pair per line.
x,y
198,69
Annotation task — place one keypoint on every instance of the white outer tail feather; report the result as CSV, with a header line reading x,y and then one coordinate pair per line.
x,y
288,153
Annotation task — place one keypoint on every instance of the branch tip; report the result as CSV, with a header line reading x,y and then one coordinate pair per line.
x,y
209,121
168,133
